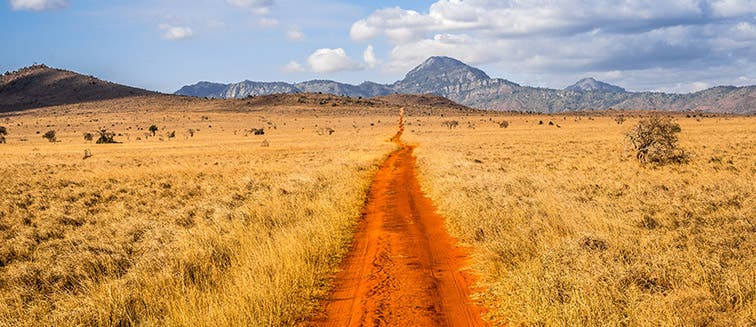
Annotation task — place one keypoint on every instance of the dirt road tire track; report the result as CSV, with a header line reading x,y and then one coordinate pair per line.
x,y
403,268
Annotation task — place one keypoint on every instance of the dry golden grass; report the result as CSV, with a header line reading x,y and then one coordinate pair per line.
x,y
568,229
209,230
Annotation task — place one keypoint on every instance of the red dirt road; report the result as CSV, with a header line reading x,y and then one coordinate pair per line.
x,y
403,269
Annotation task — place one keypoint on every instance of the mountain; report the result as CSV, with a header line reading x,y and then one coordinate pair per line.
x,y
41,86
592,85
453,79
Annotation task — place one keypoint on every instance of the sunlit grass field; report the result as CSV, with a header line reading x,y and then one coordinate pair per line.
x,y
568,229
221,228
226,227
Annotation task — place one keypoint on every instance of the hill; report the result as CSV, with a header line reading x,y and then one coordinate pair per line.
x,y
453,79
41,86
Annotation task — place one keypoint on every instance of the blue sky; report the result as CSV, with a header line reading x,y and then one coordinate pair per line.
x,y
673,46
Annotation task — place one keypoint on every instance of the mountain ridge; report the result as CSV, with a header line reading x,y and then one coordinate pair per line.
x,y
470,86
41,86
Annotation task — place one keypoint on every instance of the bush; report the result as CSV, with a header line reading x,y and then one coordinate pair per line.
x,y
504,124
620,119
88,137
450,124
655,141
50,136
106,137
153,129
171,134
3,131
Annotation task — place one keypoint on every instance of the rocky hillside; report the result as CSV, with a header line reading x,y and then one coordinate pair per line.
x,y
472,87
41,86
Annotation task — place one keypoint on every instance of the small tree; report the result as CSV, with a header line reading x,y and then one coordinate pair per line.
x,y
106,137
655,141
50,136
153,129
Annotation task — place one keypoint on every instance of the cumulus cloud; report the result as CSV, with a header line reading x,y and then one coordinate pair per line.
x,y
293,67
294,34
260,7
369,57
331,60
37,5
544,39
174,33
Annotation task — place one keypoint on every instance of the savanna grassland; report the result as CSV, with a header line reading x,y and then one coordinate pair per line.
x,y
566,228
220,228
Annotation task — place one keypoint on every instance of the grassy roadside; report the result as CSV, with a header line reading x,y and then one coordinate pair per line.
x,y
568,229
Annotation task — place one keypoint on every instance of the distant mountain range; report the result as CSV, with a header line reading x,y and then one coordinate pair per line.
x,y
470,86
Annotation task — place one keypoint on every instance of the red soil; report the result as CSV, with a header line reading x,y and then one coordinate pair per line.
x,y
403,269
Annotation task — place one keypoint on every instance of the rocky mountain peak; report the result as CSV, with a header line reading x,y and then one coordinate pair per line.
x,y
444,70
591,84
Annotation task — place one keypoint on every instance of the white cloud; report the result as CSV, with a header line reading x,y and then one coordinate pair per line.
x,y
331,60
268,22
38,5
293,67
369,57
294,34
558,38
176,32
685,87
260,7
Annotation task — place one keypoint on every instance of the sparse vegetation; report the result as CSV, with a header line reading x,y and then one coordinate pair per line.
x,y
450,124
503,124
50,136
106,137
89,137
654,140
153,129
203,233
620,119
564,232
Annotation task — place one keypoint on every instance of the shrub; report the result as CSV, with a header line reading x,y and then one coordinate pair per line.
x,y
504,124
3,131
620,119
655,141
191,132
106,137
450,124
50,136
153,129
171,135
257,131
88,137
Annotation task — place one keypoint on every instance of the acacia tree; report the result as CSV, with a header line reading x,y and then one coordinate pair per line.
x,y
654,140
